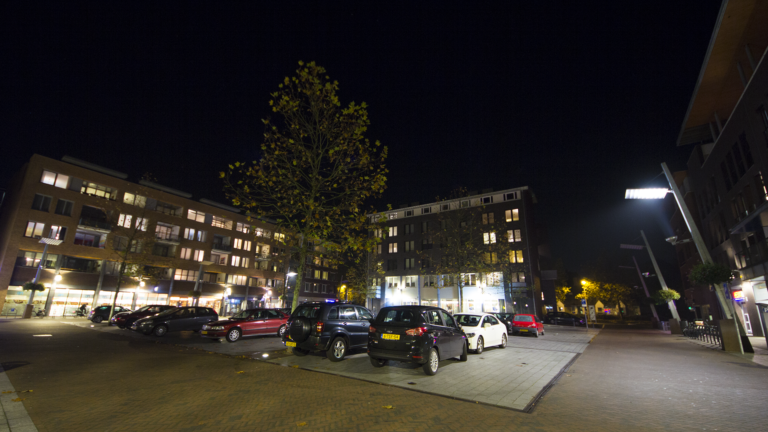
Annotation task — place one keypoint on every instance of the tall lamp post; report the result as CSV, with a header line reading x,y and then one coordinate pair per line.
x,y
47,242
198,280
288,276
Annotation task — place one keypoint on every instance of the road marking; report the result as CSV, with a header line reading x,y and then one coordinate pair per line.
x,y
14,414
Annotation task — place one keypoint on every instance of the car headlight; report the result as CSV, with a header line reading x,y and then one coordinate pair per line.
x,y
470,335
217,328
205,327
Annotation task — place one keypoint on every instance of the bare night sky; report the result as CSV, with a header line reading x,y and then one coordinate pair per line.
x,y
577,100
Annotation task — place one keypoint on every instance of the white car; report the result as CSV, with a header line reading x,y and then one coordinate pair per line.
x,y
482,330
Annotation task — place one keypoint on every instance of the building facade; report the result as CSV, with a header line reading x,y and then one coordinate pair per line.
x,y
408,253
233,261
726,126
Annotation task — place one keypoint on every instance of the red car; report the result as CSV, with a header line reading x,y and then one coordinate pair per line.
x,y
527,324
251,322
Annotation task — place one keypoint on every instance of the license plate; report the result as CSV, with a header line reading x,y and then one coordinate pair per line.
x,y
390,337
203,332
523,330
290,344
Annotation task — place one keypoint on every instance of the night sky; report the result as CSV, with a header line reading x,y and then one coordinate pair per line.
x,y
577,100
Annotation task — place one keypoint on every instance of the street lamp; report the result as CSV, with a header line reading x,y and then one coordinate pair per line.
x,y
671,303
698,240
47,242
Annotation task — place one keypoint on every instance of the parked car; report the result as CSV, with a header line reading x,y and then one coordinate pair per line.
x,y
506,318
482,330
176,319
418,334
250,322
331,327
527,324
563,318
286,311
126,319
101,313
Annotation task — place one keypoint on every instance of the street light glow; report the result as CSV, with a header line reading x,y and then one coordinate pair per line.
x,y
647,193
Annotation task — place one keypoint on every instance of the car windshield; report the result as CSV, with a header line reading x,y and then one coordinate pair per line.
x,y
468,320
399,316
242,315
142,309
505,316
170,311
307,311
523,318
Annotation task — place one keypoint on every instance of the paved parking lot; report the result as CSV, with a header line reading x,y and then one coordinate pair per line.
x,y
514,377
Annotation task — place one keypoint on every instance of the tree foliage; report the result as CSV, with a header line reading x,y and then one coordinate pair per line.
x,y
361,269
611,294
315,167
33,286
710,274
665,296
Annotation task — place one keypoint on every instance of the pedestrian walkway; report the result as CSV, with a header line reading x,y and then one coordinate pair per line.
x,y
13,415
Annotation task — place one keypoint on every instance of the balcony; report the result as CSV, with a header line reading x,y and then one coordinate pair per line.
x,y
262,256
167,238
220,247
95,225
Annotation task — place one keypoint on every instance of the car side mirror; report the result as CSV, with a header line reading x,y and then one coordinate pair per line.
x,y
487,325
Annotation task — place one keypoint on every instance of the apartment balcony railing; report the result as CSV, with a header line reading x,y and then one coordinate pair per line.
x,y
222,247
94,225
263,256
167,238
756,254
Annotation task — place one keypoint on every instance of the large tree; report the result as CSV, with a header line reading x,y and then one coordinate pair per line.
x,y
314,169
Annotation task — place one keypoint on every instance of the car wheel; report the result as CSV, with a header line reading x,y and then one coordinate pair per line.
x,y
281,330
503,341
433,362
479,349
160,331
233,335
98,319
463,356
338,350
542,332
537,333
378,362
300,352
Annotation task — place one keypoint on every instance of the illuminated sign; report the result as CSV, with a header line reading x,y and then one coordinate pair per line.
x,y
739,296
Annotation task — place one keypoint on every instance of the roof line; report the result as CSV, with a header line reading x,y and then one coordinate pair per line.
x,y
719,21
94,167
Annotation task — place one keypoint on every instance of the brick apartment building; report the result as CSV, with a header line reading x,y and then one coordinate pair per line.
x,y
79,203
726,127
407,278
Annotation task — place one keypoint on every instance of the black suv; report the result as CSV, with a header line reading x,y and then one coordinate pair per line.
x,y
331,327
176,319
418,334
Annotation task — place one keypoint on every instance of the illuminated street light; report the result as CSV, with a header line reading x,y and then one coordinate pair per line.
x,y
647,193
57,278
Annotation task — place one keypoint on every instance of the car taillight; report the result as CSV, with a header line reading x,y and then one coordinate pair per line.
x,y
319,327
532,325
371,329
418,331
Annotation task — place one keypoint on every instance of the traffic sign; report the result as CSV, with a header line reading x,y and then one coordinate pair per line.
x,y
583,302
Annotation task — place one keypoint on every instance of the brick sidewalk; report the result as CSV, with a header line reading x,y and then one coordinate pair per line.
x,y
626,380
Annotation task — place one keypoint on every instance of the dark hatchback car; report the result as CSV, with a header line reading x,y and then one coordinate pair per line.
x,y
418,334
126,319
563,318
331,327
506,318
176,319
101,313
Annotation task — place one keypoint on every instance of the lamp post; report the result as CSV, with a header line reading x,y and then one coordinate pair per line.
x,y
288,276
47,242
586,319
199,278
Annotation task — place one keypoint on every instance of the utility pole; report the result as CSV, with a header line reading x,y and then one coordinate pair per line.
x,y
647,294
671,303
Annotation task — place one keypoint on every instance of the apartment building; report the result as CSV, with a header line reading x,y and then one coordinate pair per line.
x,y
321,275
233,261
726,127
408,254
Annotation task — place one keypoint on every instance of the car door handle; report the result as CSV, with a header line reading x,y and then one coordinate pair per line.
x,y
344,323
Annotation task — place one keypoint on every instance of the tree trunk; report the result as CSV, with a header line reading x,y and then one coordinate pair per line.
x,y
299,276
460,284
117,291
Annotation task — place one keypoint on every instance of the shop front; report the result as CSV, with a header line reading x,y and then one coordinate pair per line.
x,y
213,302
16,301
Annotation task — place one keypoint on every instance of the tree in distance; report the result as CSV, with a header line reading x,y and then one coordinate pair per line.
x,y
314,169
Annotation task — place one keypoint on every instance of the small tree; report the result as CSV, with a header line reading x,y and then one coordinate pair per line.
x,y
710,274
315,168
462,249
665,296
616,294
361,270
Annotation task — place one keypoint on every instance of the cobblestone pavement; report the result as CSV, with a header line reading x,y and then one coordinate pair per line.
x,y
625,381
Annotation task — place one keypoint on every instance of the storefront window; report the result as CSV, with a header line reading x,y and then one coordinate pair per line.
x,y
16,301
66,302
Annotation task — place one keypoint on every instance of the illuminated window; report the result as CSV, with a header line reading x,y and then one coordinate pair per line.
x,y
325,275
235,261
411,281
393,231
317,274
124,220
393,248
245,262
98,190
137,200
489,238
54,179
186,253
58,232
189,233
280,237
392,216
512,215
516,256
141,223
514,236
243,228
199,255
237,243
195,215
247,245
490,257
201,236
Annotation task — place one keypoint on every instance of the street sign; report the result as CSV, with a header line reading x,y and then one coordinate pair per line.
x,y
592,315
584,302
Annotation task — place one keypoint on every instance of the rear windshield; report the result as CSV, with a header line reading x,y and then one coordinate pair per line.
x,y
307,311
168,312
523,318
399,316
468,320
103,307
